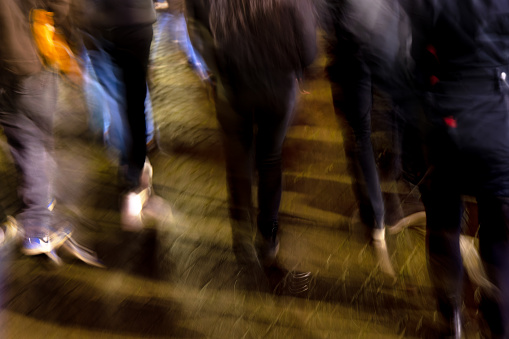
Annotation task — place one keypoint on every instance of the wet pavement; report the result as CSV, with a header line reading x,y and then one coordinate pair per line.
x,y
178,277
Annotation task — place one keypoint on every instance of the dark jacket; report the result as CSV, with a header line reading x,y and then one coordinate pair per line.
x,y
470,38
18,54
116,13
258,61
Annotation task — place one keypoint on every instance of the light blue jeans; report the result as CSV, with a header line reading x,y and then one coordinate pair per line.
x,y
104,94
176,29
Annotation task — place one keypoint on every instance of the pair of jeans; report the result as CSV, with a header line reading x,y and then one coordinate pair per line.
x,y
176,25
351,86
195,59
27,107
240,113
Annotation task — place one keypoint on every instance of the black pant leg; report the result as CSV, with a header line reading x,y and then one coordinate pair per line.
x,y
494,249
273,118
130,52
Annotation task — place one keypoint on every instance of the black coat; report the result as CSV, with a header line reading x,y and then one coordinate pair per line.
x,y
470,38
238,68
115,13
466,90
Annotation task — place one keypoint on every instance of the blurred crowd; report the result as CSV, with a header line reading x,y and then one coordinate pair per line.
x,y
440,65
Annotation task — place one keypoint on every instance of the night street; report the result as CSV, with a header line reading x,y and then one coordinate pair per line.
x,y
178,277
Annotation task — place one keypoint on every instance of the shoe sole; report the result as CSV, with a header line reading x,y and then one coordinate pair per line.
x,y
84,254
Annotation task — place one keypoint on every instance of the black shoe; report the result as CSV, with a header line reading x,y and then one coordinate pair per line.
x,y
267,247
450,326
245,252
453,330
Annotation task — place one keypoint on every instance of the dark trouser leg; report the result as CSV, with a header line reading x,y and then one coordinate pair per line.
x,y
443,223
272,126
388,126
494,248
238,150
130,53
2,214
26,113
352,102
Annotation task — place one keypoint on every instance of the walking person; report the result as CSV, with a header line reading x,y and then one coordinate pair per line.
x,y
467,96
124,29
260,48
356,71
28,98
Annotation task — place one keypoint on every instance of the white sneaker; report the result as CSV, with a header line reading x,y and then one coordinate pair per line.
x,y
146,175
378,234
130,215
132,206
134,201
382,255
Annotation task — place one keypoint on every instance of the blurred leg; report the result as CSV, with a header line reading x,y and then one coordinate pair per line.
x,y
352,97
130,52
494,249
26,114
105,95
272,121
149,118
352,103
443,221
237,127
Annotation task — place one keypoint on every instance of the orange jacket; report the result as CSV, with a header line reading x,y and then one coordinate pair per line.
x,y
19,55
